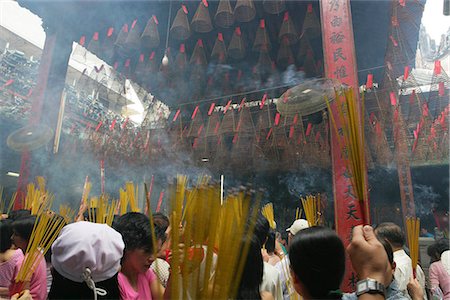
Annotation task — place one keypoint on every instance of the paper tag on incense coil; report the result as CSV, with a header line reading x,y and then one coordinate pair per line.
x,y
133,24
211,109
141,57
176,115
95,37
184,8
406,73
194,113
110,32
127,63
238,31
291,131
369,82
308,129
295,121
394,41
437,67
277,118
82,40
182,48
393,98
262,24
155,19
441,89
220,36
269,133
125,28
205,3
310,8
286,17
152,55
200,43
263,101
242,104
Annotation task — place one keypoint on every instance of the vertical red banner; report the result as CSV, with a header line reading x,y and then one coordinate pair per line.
x,y
340,63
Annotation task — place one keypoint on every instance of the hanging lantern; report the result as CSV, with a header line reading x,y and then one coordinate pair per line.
x,y
180,29
274,7
236,49
224,15
219,51
244,11
262,38
150,35
288,30
201,22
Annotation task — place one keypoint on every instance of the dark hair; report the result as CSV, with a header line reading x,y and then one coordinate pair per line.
x,y
5,235
23,227
252,273
63,288
436,249
17,214
317,258
161,220
261,229
270,243
388,249
392,233
135,230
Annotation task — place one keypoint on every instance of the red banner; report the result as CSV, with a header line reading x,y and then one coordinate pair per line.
x,y
340,63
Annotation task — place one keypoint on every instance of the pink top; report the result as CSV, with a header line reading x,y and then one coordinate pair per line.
x,y
127,292
440,277
38,283
7,268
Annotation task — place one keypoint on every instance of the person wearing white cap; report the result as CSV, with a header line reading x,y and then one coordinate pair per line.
x,y
86,260
283,265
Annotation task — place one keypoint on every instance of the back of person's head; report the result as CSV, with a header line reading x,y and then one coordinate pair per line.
x,y
442,245
270,243
23,226
161,220
252,273
5,235
389,251
86,255
317,258
19,213
135,230
392,233
261,230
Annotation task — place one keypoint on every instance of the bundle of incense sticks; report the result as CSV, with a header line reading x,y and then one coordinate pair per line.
x,y
352,141
123,200
132,193
101,210
298,213
37,197
46,229
412,230
267,212
212,234
310,206
66,212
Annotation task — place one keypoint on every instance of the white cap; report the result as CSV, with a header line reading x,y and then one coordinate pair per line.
x,y
82,245
298,225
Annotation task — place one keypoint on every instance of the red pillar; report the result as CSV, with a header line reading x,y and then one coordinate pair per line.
x,y
46,95
340,63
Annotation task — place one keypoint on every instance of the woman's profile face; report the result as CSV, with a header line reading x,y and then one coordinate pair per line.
x,y
139,260
19,242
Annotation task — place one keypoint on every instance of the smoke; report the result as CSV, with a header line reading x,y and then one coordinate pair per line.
x,y
426,199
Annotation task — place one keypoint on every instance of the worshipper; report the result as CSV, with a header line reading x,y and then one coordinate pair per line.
x,y
424,233
86,261
22,230
136,279
271,277
439,271
403,272
252,273
272,258
280,246
392,291
9,257
283,265
160,267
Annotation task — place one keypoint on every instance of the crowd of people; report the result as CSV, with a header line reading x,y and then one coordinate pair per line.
x,y
129,260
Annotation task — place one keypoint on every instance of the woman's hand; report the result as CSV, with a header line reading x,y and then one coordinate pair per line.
x,y
414,289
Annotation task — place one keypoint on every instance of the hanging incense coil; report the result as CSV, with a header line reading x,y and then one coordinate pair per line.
x,y
304,49
198,55
224,16
311,25
94,45
264,64
219,51
274,7
262,38
228,124
308,98
201,22
181,58
30,137
180,29
133,41
285,56
120,41
107,46
288,30
150,35
236,49
309,65
244,11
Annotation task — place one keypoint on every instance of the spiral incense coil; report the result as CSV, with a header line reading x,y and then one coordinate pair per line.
x,y
30,137
224,16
